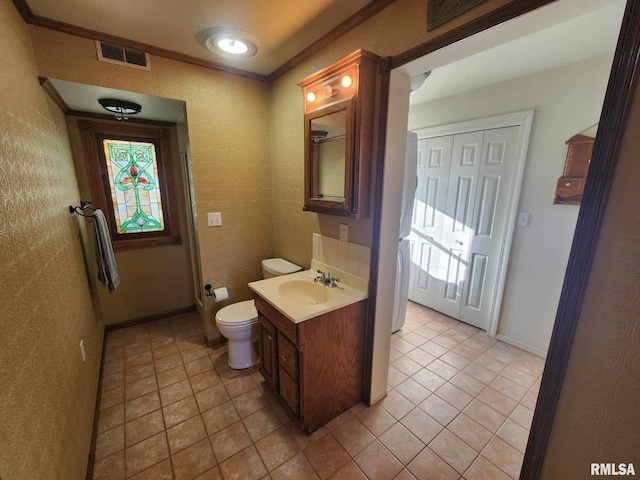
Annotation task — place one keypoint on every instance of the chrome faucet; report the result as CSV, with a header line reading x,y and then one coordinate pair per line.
x,y
327,280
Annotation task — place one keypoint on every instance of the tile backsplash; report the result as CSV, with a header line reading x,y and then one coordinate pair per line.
x,y
348,257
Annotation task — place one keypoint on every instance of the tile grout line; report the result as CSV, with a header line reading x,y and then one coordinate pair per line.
x,y
282,423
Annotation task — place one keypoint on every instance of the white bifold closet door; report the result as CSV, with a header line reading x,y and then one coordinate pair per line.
x,y
464,183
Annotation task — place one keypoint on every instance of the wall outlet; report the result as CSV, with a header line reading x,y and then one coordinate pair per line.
x,y
84,354
344,232
214,219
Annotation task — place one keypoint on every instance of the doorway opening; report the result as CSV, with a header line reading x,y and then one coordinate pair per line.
x,y
169,264
489,369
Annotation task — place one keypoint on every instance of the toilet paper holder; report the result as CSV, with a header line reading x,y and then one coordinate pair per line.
x,y
219,294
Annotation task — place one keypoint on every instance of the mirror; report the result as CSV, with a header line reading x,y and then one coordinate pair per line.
x,y
329,159
328,152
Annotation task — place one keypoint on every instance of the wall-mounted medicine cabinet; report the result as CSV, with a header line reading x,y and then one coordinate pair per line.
x,y
339,108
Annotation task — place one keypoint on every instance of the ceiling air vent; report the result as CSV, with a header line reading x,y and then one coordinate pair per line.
x,y
108,52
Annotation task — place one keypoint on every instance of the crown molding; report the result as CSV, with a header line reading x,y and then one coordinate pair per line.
x,y
358,18
32,19
350,23
59,101
54,94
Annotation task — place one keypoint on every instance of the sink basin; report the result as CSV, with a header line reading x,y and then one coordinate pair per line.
x,y
304,291
299,298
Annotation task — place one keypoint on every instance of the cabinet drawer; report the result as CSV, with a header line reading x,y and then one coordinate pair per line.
x,y
282,323
288,356
289,391
570,187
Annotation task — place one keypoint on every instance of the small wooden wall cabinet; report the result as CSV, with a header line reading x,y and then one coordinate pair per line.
x,y
315,366
571,185
340,101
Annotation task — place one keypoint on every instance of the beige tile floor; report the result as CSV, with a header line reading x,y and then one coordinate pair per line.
x,y
460,405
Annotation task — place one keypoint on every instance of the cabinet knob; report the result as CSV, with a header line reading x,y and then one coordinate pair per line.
x,y
269,337
283,358
285,393
567,184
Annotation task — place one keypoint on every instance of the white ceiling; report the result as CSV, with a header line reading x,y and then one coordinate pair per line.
x,y
84,98
282,28
581,38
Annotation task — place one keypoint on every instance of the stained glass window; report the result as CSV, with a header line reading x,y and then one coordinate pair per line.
x,y
135,190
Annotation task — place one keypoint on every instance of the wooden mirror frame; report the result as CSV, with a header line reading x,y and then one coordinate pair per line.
x,y
311,203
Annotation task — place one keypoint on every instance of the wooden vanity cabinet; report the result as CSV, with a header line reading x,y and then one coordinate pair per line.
x,y
315,367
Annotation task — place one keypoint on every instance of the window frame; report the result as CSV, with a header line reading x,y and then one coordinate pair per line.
x,y
93,134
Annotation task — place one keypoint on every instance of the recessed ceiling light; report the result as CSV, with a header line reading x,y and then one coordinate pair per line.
x,y
230,42
232,45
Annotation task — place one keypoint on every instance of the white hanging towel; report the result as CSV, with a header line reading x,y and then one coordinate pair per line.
x,y
107,268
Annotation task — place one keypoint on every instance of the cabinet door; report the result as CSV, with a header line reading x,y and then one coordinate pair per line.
x,y
268,351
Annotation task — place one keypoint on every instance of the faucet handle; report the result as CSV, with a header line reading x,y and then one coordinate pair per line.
x,y
322,277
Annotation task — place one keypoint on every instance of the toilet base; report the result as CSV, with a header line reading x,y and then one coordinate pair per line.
x,y
243,355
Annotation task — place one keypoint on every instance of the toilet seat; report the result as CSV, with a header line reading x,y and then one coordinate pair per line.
x,y
238,314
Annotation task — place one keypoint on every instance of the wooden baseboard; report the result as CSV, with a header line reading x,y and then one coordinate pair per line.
x,y
96,413
150,318
214,342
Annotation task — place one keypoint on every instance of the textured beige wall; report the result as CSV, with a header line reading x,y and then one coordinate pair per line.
x,y
164,272
598,417
228,119
397,28
47,395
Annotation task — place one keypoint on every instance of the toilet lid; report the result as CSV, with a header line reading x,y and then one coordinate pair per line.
x,y
237,313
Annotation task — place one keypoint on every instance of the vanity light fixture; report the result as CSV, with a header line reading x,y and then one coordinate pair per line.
x,y
346,81
230,42
120,108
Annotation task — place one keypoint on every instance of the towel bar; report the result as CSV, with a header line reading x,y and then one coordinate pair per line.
x,y
83,206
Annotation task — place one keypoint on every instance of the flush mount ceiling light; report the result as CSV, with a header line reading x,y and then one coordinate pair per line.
x,y
230,42
120,108
317,135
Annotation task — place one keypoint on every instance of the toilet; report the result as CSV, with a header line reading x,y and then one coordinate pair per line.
x,y
238,322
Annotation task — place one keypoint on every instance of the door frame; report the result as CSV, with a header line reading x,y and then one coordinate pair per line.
x,y
621,91
523,120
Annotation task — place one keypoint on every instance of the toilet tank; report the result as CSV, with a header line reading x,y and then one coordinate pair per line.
x,y
274,267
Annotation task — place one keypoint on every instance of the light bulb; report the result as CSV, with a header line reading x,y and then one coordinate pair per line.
x,y
328,90
311,97
233,45
346,81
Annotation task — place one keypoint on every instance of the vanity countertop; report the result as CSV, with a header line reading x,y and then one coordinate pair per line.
x,y
298,298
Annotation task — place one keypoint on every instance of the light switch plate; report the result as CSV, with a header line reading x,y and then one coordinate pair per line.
x,y
523,219
344,232
214,219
